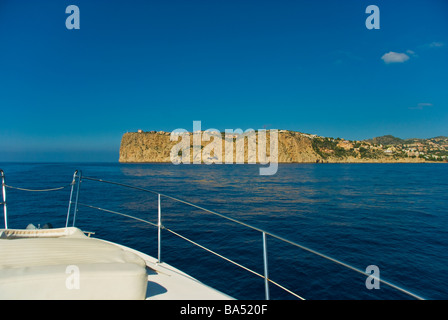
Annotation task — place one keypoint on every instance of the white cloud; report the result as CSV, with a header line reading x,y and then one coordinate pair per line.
x,y
436,44
411,54
395,57
421,106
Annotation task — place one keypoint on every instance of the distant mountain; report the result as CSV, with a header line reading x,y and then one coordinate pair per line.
x,y
386,140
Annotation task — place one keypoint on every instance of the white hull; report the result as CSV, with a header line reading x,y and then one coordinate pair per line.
x,y
65,264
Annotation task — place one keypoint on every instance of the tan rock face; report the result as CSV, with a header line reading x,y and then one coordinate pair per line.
x,y
156,147
293,147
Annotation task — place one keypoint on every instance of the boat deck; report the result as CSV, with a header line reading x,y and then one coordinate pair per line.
x,y
41,264
166,282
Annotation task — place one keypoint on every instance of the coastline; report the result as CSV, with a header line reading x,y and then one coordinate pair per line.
x,y
367,161
293,147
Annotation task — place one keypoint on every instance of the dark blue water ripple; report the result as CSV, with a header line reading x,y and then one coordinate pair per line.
x,y
394,216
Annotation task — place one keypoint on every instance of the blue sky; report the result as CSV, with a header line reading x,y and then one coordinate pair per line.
x,y
309,66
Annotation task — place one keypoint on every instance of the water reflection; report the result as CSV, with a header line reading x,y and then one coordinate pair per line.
x,y
390,215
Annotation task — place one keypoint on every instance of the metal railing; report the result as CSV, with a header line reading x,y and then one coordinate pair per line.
x,y
161,227
78,178
5,207
264,234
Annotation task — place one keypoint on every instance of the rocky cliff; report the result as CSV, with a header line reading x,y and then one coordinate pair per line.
x,y
293,147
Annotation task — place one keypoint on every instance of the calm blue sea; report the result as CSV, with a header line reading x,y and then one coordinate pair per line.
x,y
394,216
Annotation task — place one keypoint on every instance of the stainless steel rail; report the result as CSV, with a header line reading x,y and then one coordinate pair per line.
x,y
78,178
264,233
4,186
5,208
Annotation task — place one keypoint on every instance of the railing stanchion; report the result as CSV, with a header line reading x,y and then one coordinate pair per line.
x,y
77,196
71,196
265,260
159,233
5,209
